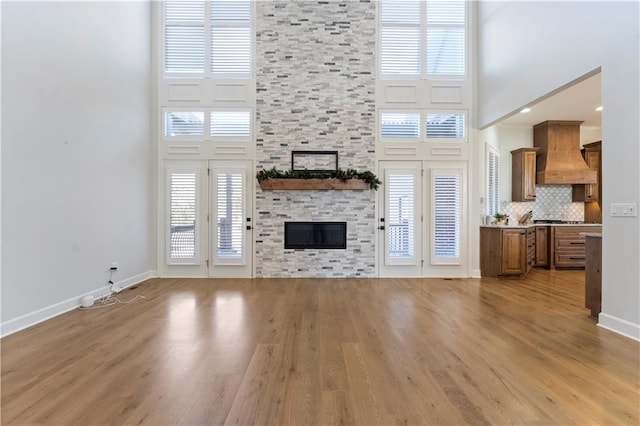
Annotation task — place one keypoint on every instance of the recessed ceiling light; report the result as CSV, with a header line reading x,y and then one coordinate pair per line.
x,y
599,108
525,110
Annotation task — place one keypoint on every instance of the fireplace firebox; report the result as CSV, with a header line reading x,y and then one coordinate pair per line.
x,y
315,235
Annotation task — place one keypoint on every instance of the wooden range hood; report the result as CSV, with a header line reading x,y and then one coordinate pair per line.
x,y
558,160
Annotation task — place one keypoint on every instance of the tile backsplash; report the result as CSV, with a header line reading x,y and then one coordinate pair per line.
x,y
552,202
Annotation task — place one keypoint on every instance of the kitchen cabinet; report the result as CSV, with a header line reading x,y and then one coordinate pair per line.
x,y
531,248
523,174
592,154
542,246
506,252
569,246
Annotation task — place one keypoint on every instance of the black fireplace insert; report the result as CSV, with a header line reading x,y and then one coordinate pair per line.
x,y
315,235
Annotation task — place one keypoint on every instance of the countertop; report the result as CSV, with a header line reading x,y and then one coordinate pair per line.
x,y
530,225
591,234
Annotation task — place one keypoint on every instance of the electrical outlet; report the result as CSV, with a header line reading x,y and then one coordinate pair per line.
x,y
114,266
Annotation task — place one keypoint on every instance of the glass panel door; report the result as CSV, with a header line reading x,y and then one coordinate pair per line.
x,y
400,219
230,221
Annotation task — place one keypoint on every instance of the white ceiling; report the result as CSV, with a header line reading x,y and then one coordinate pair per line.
x,y
577,102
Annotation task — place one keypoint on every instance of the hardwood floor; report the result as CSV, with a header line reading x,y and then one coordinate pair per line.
x,y
324,352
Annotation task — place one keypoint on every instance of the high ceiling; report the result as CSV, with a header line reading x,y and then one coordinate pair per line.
x,y
577,102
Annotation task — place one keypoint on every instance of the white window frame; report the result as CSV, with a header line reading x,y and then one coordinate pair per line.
x,y
423,126
209,24
423,75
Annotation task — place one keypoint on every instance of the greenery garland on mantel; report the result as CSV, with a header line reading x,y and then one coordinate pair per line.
x,y
370,178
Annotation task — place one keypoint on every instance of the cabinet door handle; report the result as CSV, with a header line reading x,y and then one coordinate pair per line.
x,y
577,258
576,243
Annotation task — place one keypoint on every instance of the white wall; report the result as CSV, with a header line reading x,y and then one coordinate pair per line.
x,y
529,49
77,174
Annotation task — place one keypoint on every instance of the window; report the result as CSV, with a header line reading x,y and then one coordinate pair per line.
x,y
446,185
446,125
183,123
405,125
208,38
446,38
423,126
222,125
231,124
182,216
400,38
493,180
421,39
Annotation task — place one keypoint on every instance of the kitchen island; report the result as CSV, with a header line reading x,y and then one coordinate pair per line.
x,y
511,251
593,273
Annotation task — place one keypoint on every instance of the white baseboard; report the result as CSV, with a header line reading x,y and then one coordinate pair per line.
x,y
475,273
620,326
36,317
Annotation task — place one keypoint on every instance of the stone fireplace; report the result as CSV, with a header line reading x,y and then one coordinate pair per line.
x,y
315,91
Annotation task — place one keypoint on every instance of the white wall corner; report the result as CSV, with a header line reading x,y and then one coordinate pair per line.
x,y
619,326
475,273
25,321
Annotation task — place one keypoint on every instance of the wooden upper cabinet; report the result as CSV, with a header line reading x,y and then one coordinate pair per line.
x,y
523,174
592,154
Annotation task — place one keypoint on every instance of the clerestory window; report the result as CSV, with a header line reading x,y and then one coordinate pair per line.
x,y
208,38
423,39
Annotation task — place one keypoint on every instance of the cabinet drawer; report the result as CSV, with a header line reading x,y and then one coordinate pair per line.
x,y
570,260
569,243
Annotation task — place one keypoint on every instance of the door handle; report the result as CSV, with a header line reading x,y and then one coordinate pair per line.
x,y
381,228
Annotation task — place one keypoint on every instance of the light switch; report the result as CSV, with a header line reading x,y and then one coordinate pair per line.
x,y
624,209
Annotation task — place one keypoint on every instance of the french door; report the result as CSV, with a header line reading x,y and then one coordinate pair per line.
x,y
421,222
400,224
230,219
209,227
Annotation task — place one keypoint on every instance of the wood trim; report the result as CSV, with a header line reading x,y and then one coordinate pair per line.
x,y
313,184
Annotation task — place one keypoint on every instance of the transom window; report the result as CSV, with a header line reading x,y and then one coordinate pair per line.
x,y
208,124
423,126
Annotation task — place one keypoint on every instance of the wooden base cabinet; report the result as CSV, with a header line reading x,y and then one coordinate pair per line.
x,y
506,252
569,246
542,246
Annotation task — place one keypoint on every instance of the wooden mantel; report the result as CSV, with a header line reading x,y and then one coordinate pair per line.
x,y
312,184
